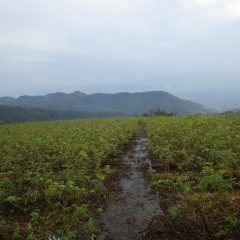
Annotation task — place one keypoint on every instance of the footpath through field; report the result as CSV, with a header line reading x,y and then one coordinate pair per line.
x,y
133,211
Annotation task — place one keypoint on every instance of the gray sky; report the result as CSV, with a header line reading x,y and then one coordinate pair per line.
x,y
180,46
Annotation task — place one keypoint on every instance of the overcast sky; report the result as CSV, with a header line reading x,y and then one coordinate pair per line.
x,y
119,45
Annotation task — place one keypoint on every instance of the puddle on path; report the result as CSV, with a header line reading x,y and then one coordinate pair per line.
x,y
128,216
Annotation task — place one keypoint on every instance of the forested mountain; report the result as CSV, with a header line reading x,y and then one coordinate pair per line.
x,y
12,114
124,102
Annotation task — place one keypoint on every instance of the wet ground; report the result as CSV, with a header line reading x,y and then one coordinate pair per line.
x,y
134,208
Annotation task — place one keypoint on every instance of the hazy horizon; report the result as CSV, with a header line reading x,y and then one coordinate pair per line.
x,y
185,47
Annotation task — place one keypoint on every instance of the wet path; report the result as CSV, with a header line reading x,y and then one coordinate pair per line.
x,y
134,208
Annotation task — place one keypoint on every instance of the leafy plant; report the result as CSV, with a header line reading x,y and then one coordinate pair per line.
x,y
50,172
174,212
201,158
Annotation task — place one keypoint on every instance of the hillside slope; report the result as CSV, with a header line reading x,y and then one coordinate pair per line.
x,y
12,114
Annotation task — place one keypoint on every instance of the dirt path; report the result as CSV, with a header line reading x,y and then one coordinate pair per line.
x,y
132,212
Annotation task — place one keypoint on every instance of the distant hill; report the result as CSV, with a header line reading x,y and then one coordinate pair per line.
x,y
236,110
12,114
121,103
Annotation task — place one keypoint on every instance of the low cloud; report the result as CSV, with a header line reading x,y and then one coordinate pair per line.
x,y
62,44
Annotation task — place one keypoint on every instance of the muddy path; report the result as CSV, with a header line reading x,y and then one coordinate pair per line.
x,y
134,208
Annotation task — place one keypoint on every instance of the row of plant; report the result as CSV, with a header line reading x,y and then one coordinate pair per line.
x,y
199,168
52,176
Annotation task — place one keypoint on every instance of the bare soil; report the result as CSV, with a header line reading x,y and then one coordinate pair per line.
x,y
133,207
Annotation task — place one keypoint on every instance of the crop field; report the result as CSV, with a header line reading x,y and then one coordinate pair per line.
x,y
52,174
197,160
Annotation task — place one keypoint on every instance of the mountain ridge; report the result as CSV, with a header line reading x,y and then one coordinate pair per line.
x,y
122,102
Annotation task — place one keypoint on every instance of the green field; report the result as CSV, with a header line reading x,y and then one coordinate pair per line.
x,y
53,174
200,170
